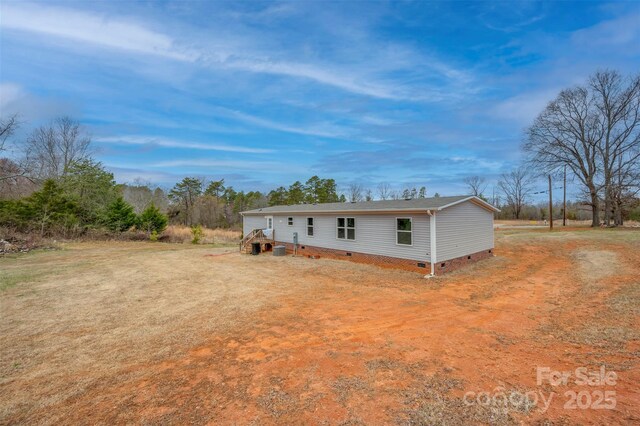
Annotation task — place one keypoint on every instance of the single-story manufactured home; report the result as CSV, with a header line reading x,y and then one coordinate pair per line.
x,y
431,235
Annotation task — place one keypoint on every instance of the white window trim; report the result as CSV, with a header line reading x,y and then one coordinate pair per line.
x,y
306,227
346,227
292,221
269,218
411,232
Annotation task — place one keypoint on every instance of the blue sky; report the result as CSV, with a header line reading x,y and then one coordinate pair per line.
x,y
265,93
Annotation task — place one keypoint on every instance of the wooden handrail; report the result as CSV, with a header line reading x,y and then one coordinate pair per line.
x,y
247,237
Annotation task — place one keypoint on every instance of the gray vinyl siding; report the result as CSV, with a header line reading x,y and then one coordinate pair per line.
x,y
249,223
463,229
375,234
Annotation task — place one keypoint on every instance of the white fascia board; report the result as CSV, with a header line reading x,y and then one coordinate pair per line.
x,y
472,198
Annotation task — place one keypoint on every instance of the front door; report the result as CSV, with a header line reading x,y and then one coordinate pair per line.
x,y
269,222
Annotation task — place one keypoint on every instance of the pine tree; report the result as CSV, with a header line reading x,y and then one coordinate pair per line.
x,y
119,216
184,194
278,196
152,220
49,207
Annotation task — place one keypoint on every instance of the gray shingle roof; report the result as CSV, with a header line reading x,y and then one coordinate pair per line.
x,y
435,203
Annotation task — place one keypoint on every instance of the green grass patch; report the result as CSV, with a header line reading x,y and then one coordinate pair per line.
x,y
12,279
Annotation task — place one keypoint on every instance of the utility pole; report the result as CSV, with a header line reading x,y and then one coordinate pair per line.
x,y
550,206
564,198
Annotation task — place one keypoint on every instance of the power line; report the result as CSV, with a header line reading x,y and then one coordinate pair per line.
x,y
546,191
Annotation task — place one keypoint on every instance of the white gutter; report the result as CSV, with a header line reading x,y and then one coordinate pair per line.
x,y
369,211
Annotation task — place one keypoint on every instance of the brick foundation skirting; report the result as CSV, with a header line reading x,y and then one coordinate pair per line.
x,y
423,267
462,261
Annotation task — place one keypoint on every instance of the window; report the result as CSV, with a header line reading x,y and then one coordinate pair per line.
x,y
310,227
403,231
290,221
346,228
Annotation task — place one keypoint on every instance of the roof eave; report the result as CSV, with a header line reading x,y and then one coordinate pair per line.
x,y
477,200
371,211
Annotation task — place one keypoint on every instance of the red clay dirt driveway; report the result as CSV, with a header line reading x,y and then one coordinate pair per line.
x,y
159,333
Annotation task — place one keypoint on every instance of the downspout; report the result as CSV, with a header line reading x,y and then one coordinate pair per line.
x,y
241,232
432,241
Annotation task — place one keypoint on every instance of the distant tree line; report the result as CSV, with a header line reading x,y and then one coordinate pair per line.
x,y
593,132
514,192
56,187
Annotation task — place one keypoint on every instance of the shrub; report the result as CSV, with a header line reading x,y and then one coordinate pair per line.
x,y
11,214
152,220
92,189
119,216
197,233
47,211
154,236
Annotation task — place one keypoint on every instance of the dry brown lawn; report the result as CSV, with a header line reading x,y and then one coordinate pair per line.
x,y
125,332
183,234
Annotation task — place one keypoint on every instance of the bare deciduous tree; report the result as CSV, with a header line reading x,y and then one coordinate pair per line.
x,y
516,187
567,132
11,173
207,210
13,183
384,191
51,149
476,185
138,194
595,131
625,185
618,104
160,199
8,126
354,192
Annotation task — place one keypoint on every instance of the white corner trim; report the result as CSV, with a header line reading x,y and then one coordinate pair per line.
x,y
432,241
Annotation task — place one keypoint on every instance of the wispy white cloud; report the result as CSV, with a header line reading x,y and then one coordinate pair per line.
x,y
127,174
620,32
91,28
524,107
136,36
14,99
172,143
515,26
9,93
477,162
327,130
345,80
262,166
